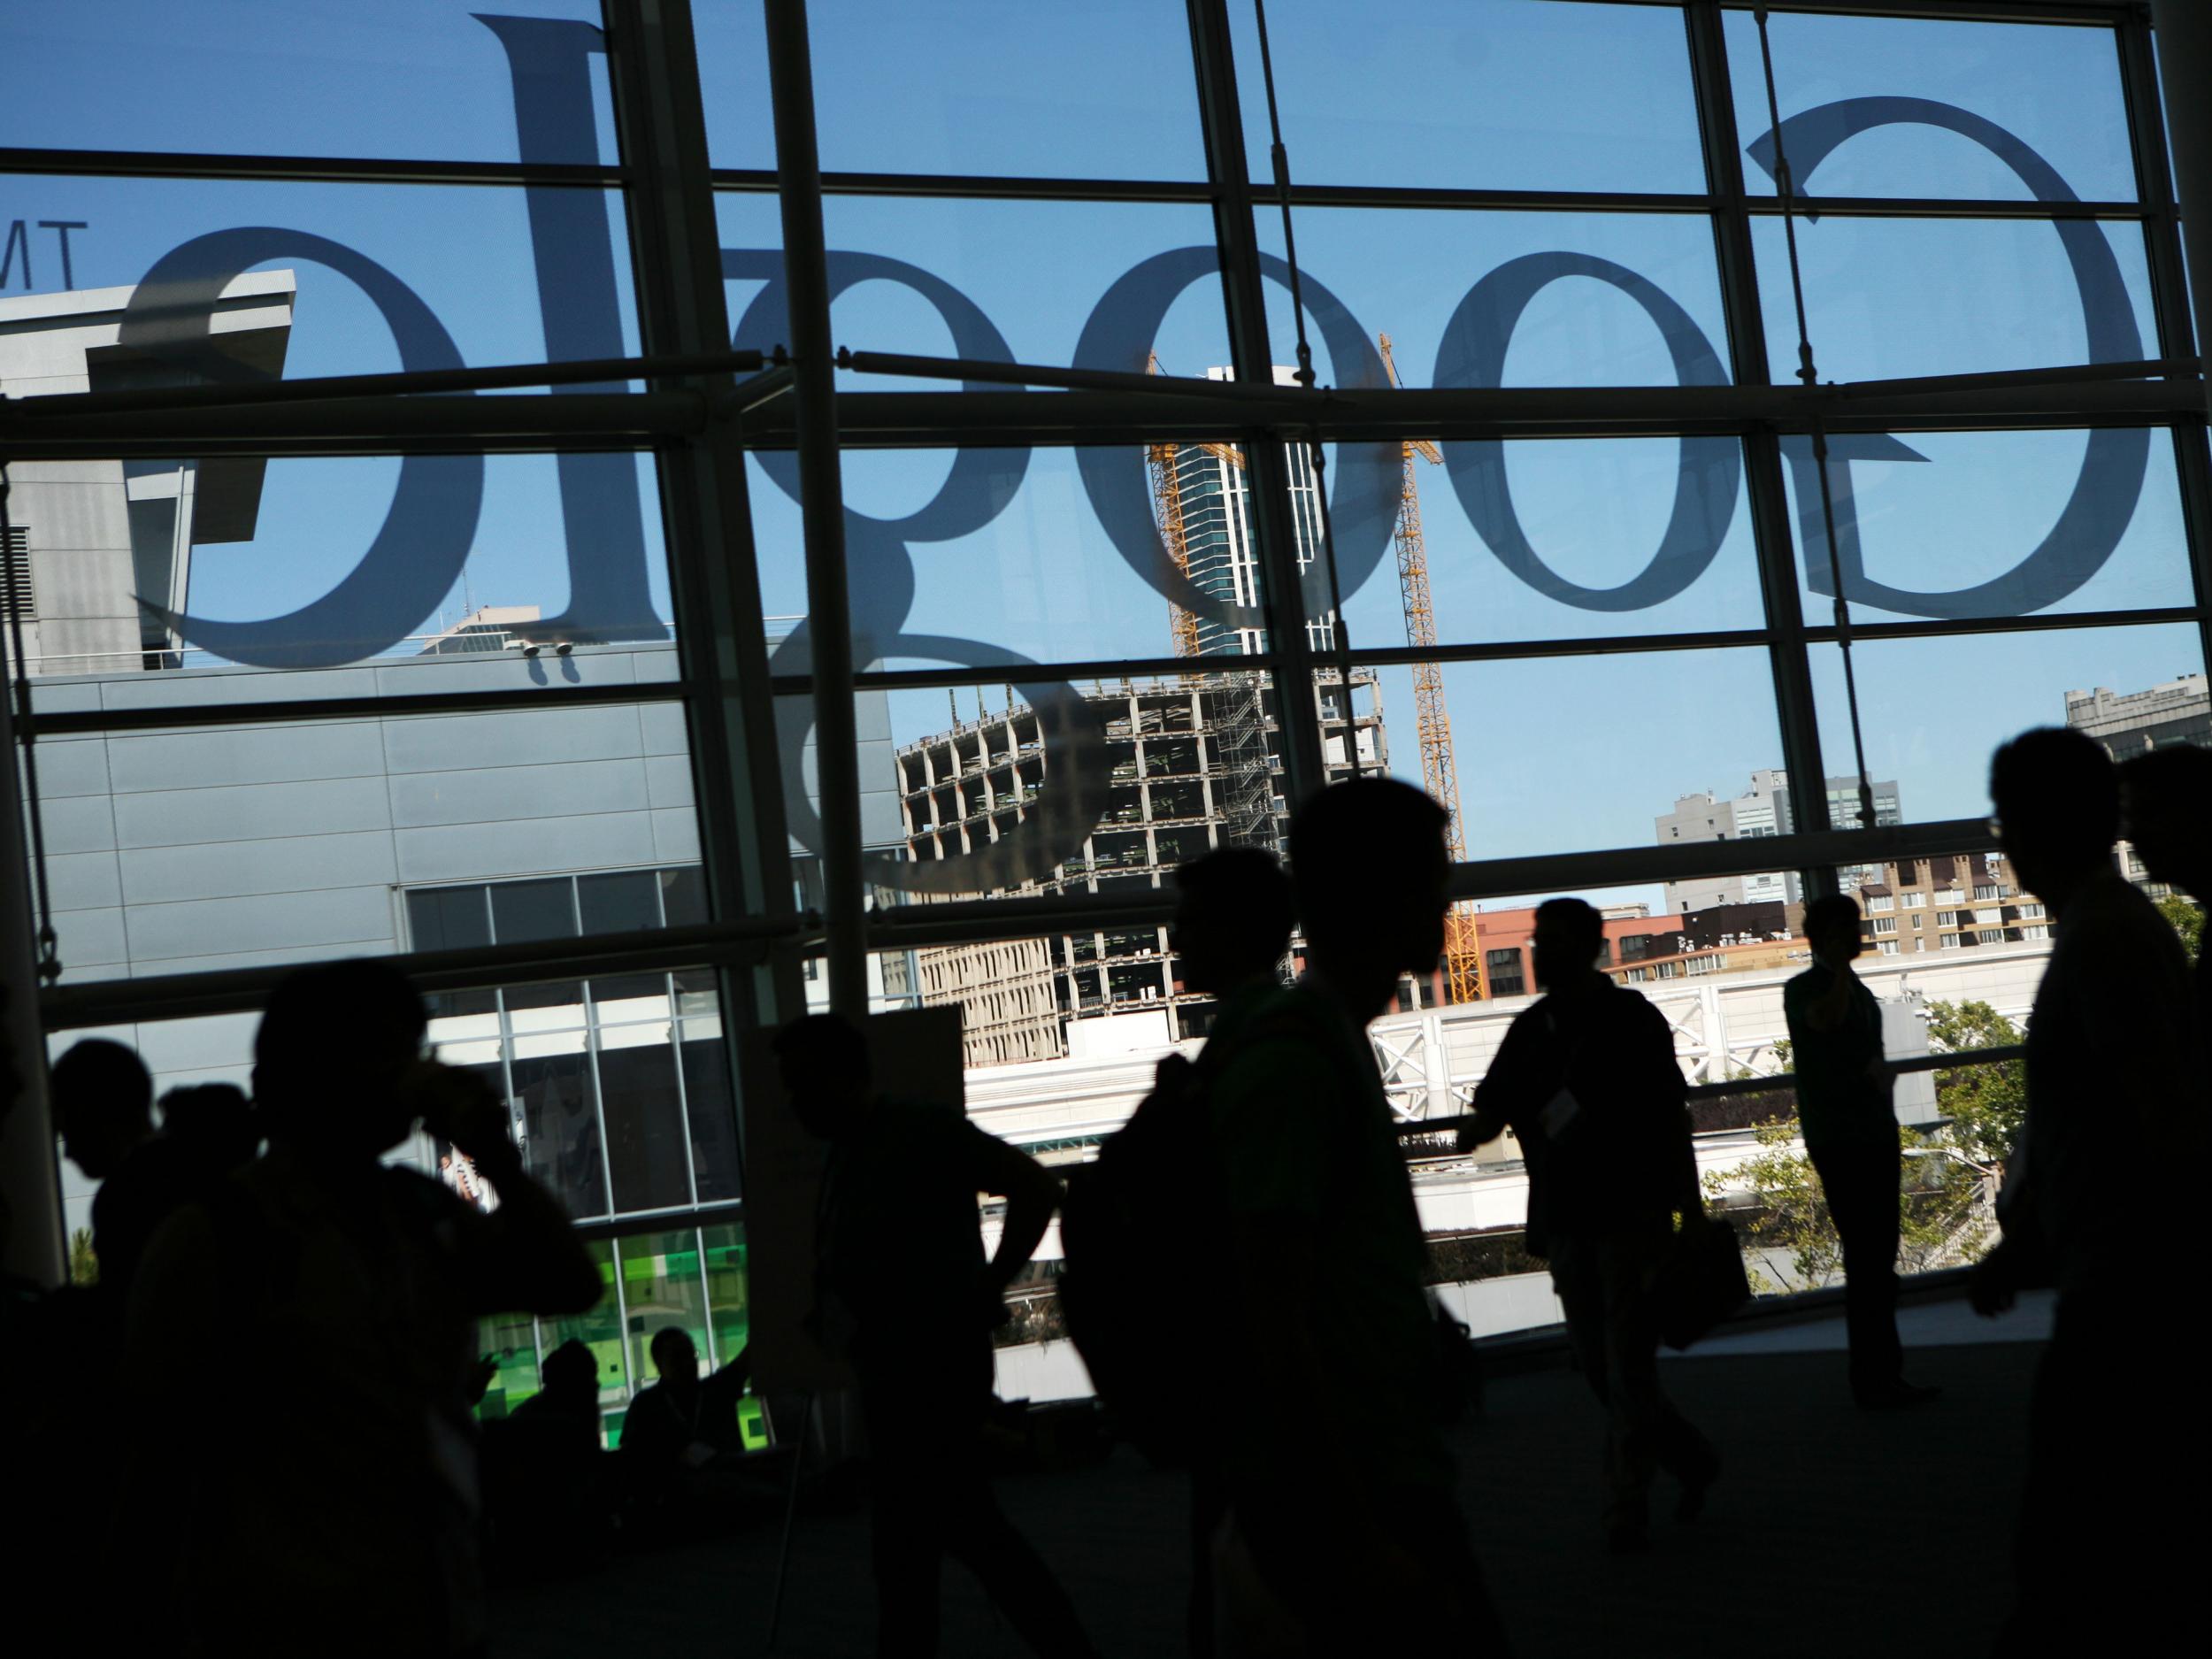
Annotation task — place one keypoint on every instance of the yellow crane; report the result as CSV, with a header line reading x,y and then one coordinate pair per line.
x,y
1432,722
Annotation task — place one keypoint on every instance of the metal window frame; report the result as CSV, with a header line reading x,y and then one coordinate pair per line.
x,y
699,421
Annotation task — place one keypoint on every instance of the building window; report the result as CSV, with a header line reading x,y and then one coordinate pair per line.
x,y
1886,924
1914,901
1889,947
2040,931
1989,890
15,575
1951,941
2029,912
1502,971
1881,902
1947,918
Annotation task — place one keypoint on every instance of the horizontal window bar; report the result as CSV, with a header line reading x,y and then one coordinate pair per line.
x,y
640,1222
161,164
327,388
1510,650
2036,622
277,712
762,181
241,990
1109,668
1758,1085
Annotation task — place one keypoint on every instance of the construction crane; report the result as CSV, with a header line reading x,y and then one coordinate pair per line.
x,y
1439,774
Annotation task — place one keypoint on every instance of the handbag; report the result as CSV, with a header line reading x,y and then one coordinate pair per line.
x,y
1700,1283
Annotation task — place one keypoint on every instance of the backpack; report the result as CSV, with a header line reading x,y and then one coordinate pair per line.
x,y
1132,1225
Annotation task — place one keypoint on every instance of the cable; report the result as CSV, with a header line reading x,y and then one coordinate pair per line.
x,y
26,729
1786,190
1279,159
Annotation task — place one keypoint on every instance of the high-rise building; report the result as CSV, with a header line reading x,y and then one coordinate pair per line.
x,y
2178,710
1767,807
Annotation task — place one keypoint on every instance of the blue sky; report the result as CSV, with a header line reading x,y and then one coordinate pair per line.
x,y
1512,93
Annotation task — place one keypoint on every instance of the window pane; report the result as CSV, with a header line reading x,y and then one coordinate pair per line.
x,y
1564,754
560,1126
664,1285
417,79
448,918
2055,88
1987,523
1499,94
710,1108
1042,578
645,1119
1578,538
1148,772
159,585
980,86
1935,710
1028,280
728,1307
600,1329
1611,299
524,911
620,901
684,895
2007,296
381,277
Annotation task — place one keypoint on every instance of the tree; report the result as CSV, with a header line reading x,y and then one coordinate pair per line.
x,y
1950,1174
2188,920
84,1260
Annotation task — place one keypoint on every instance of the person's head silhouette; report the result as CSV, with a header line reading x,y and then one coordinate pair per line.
x,y
1233,918
333,1061
2167,795
826,1073
675,1356
1832,927
103,1104
570,1373
214,1121
1565,954
2057,801
1368,865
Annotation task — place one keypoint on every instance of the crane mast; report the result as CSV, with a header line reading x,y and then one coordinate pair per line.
x,y
1433,721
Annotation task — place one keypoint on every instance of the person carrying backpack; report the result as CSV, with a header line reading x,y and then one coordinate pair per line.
x,y
1142,1332
1586,1080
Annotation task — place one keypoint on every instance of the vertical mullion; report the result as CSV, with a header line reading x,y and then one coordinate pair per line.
x,y
1274,535
1788,655
2169,297
714,581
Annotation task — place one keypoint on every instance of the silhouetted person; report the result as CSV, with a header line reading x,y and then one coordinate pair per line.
x,y
344,1518
1339,1480
103,1102
1233,915
545,1498
2168,795
1586,1080
2116,1435
683,1425
901,1267
212,1124
1844,1106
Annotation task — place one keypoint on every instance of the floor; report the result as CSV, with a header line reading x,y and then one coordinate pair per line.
x,y
1832,1531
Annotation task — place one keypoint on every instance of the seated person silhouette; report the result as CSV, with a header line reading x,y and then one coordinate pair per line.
x,y
545,1498
680,1440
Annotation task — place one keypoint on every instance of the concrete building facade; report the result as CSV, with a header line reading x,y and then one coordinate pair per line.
x,y
1765,808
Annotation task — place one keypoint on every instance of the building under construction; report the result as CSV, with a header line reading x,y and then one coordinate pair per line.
x,y
1192,764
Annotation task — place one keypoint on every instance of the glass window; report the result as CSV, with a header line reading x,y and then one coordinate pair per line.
x,y
620,901
448,918
646,1154
1599,748
416,79
977,87
1486,94
1935,709
711,1109
2014,294
663,1284
2054,90
600,1329
560,1121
